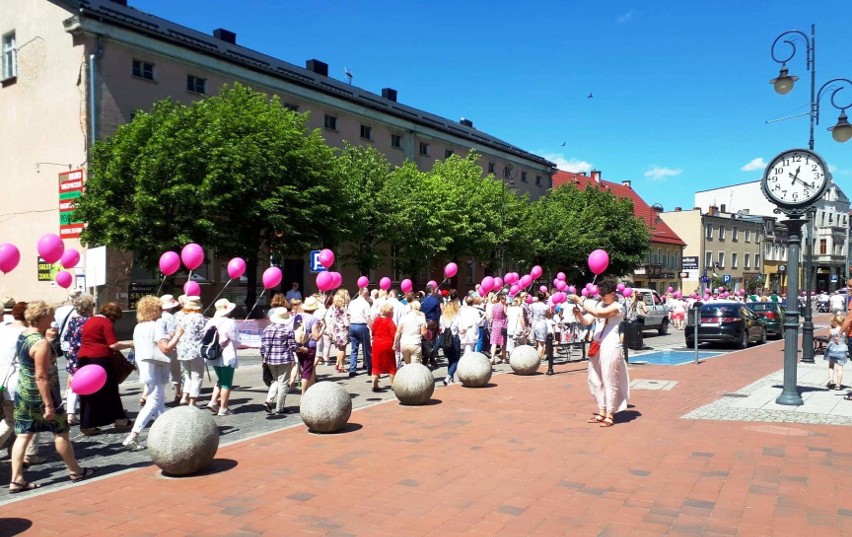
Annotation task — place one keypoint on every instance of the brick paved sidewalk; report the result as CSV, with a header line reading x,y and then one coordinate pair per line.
x,y
517,458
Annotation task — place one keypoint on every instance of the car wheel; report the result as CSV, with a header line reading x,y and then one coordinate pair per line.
x,y
763,336
743,344
664,327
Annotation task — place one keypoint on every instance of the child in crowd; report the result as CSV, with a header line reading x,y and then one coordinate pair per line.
x,y
836,353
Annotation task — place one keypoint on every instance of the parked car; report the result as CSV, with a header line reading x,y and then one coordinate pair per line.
x,y
772,314
726,322
658,311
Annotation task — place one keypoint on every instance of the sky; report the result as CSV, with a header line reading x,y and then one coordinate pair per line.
x,y
680,93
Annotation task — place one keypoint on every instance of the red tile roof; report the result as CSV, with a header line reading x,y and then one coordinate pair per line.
x,y
662,233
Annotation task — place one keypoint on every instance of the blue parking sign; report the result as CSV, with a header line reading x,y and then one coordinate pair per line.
x,y
316,266
726,278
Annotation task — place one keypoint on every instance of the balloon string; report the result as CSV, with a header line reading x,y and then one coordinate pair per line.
x,y
217,296
255,304
161,284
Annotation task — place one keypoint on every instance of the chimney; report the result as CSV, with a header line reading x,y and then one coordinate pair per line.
x,y
389,94
722,209
678,209
225,35
316,66
626,183
466,122
712,210
746,211
596,175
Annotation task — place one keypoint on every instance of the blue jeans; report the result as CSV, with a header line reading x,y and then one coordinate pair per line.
x,y
359,334
453,357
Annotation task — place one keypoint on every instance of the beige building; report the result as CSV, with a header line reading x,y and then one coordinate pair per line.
x,y
73,71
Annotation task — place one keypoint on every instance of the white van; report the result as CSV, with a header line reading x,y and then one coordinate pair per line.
x,y
658,311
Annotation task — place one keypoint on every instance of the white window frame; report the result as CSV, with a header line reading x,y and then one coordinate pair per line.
x,y
721,232
747,261
721,260
708,231
708,260
734,260
10,56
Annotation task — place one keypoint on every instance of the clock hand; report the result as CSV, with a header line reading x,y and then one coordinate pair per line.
x,y
796,176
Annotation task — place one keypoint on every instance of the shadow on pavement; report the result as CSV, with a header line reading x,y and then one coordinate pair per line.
x,y
349,428
14,526
216,467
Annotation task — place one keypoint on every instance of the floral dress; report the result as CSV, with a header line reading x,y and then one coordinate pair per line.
x,y
29,406
498,324
74,337
189,344
339,327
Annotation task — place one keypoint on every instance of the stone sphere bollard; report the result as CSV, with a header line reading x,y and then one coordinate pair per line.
x,y
474,370
183,440
524,360
414,384
326,407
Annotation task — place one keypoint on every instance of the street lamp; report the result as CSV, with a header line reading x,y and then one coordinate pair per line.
x,y
841,132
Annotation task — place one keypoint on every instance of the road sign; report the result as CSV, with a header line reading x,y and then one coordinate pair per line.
x,y
705,279
834,278
726,278
70,189
316,266
782,268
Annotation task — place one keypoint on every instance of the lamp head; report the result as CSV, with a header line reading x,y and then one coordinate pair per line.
x,y
784,83
843,130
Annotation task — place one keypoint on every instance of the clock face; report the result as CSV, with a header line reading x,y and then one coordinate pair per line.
x,y
795,179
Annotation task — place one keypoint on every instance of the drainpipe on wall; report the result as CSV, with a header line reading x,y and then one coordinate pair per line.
x,y
92,93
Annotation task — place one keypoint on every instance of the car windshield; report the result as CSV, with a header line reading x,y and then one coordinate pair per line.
x,y
720,310
763,306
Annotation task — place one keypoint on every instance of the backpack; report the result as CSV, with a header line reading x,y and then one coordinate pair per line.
x,y
447,340
301,334
210,348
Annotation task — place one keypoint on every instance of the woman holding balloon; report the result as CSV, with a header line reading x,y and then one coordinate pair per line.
x,y
38,402
98,342
84,307
189,349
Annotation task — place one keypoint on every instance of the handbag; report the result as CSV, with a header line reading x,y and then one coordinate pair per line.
x,y
267,375
120,366
594,348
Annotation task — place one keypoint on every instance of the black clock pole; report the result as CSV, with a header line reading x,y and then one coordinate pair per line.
x,y
790,393
808,324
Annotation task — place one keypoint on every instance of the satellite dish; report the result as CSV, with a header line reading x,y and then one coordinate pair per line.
x,y
348,74
740,213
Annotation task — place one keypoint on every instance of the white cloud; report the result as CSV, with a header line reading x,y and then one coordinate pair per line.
x,y
754,164
657,173
832,168
837,170
568,165
626,17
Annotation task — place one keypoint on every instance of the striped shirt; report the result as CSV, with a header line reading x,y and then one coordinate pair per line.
x,y
277,344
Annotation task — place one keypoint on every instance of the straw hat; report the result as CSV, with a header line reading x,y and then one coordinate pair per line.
x,y
224,307
8,304
168,302
310,304
279,315
192,302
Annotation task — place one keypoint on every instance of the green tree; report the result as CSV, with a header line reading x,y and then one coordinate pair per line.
x,y
238,173
568,223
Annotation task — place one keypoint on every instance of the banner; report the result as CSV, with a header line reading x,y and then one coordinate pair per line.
x,y
70,188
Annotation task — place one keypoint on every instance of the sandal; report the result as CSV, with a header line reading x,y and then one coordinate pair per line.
x,y
848,396
90,432
85,474
16,487
607,422
596,418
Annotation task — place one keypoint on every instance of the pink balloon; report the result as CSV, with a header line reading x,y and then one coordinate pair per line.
x,y
628,291
589,285
498,282
10,256
432,283
192,256
364,281
509,278
526,281
50,247
706,297
620,287
670,289
88,379
543,288
678,294
70,258
385,283
191,288
271,277
560,276
593,290
559,298
535,272
561,285
406,286
598,261
451,270
571,290
529,299
169,263
324,281
584,292
514,290
487,283
236,267
482,291
326,258
338,279
64,279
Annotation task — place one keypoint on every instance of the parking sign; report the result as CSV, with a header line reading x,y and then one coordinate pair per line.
x,y
726,278
316,266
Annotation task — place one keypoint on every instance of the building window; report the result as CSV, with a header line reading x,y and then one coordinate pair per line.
x,y
747,260
708,231
448,153
537,180
734,260
490,167
10,56
366,132
748,235
291,106
195,84
396,141
708,259
424,149
330,122
523,177
757,261
735,234
143,70
721,259
823,247
721,232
